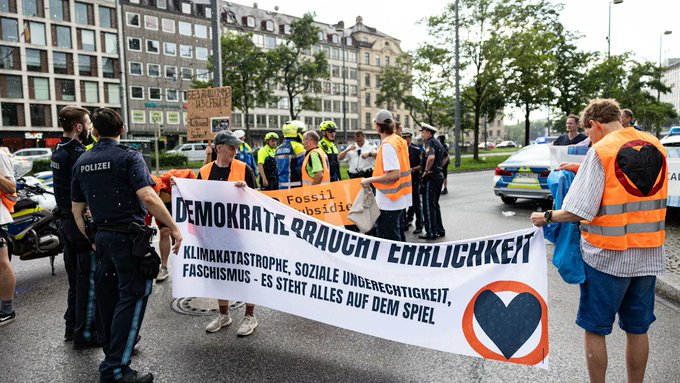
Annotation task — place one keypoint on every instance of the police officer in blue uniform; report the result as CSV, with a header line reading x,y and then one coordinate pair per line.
x,y
290,155
431,183
114,182
79,259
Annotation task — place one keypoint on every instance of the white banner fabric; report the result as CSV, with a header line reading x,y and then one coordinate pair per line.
x,y
484,297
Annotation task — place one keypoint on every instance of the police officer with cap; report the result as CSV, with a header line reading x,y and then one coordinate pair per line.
x,y
431,183
327,144
115,183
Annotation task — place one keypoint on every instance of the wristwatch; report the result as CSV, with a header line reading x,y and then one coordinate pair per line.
x,y
548,216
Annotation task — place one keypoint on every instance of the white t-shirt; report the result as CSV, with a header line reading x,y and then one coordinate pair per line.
x,y
391,162
356,162
6,171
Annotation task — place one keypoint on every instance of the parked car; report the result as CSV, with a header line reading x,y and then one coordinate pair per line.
x,y
506,144
32,154
487,145
194,151
545,140
524,175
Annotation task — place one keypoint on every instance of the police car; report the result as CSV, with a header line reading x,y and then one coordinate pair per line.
x,y
524,175
672,144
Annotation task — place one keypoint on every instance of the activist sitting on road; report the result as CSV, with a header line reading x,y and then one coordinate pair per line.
x,y
163,188
316,169
391,179
266,163
227,168
619,196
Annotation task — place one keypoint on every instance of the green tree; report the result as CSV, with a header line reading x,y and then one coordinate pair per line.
x,y
570,65
299,70
247,70
396,84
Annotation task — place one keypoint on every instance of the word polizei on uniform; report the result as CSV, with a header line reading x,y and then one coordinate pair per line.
x,y
95,167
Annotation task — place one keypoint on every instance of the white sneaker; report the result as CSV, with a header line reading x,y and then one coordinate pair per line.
x,y
221,320
248,325
162,274
236,304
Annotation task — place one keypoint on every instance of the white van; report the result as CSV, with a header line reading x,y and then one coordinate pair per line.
x,y
194,151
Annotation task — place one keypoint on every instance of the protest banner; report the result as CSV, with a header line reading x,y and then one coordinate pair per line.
x,y
208,112
673,176
484,297
328,202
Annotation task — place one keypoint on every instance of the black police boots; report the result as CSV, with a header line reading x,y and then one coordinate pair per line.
x,y
132,377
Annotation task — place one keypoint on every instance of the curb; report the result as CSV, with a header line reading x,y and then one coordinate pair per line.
x,y
668,285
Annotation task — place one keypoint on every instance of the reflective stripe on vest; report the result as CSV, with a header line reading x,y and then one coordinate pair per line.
x,y
627,218
402,186
236,173
306,179
9,200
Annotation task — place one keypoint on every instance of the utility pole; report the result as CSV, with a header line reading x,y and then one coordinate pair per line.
x,y
217,44
456,139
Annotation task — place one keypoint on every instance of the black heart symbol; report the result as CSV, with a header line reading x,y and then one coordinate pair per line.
x,y
508,327
641,167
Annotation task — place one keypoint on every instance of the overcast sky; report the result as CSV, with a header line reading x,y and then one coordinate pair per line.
x,y
636,24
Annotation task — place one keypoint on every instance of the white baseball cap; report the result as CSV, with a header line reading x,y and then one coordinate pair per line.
x,y
239,133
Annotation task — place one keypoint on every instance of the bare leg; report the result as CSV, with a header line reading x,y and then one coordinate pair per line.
x,y
164,245
596,357
7,277
637,352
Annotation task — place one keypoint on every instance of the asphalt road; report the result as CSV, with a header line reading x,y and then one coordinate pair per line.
x,y
286,348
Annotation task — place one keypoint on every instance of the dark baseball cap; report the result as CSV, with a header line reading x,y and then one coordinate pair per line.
x,y
228,138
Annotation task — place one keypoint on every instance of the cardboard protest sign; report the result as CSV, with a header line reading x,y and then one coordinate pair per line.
x,y
209,111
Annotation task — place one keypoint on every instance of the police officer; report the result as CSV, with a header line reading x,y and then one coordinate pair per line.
x,y
431,183
79,259
114,182
266,162
245,152
414,156
290,154
327,144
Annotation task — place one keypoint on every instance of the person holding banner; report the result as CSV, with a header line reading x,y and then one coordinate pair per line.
x,y
315,168
266,163
391,178
290,154
227,168
114,182
619,196
327,144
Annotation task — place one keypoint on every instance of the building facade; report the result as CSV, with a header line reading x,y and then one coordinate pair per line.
x,y
54,53
671,78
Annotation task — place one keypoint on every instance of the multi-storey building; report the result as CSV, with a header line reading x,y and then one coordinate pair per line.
x,y
167,45
376,51
671,78
54,53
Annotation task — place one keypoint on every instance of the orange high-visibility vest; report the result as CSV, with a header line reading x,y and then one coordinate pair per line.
x,y
402,186
9,200
237,172
629,218
306,179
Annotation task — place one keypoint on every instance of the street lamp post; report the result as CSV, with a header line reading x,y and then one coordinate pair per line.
x,y
340,27
609,39
456,139
217,44
658,92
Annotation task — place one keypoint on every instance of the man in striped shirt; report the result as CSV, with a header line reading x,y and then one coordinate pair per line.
x,y
619,196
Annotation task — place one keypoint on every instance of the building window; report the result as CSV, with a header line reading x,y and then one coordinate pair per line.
x,y
268,25
327,106
11,87
186,51
59,10
335,54
151,22
258,40
407,122
39,88
162,4
171,95
65,90
12,114
201,53
184,28
87,65
352,57
110,43
135,68
334,38
168,25
169,49
285,29
36,33
202,75
134,44
41,115
109,67
9,29
186,8
335,71
62,63
353,90
367,80
89,92
132,19
112,94
137,92
270,42
153,46
249,21
84,14
367,99
187,73
153,70
138,116
107,17
367,121
86,40
201,31
349,41
33,8
387,60
155,94
171,72
36,60
61,36
367,58
10,58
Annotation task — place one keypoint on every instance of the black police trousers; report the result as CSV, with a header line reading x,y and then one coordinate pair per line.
x,y
388,225
416,208
431,189
80,263
122,294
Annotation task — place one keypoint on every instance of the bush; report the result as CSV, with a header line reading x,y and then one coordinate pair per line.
x,y
40,166
171,160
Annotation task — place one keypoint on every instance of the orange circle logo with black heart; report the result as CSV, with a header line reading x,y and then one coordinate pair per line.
x,y
508,327
642,171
